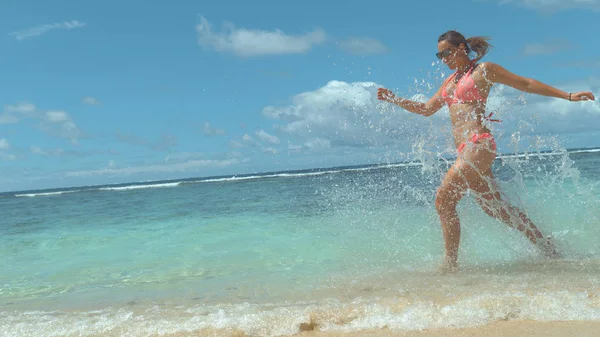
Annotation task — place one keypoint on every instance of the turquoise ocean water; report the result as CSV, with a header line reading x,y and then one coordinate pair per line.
x,y
341,249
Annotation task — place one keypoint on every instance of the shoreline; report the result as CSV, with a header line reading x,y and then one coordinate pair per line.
x,y
508,328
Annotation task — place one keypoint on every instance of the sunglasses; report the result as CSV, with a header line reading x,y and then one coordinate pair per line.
x,y
443,53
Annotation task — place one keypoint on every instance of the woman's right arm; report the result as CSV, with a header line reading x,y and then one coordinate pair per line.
x,y
434,104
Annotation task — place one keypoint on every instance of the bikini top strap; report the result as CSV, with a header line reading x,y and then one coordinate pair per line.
x,y
473,64
447,80
454,75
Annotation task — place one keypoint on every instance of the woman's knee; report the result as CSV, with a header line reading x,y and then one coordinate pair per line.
x,y
446,199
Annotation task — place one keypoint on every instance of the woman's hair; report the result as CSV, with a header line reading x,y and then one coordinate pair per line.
x,y
478,44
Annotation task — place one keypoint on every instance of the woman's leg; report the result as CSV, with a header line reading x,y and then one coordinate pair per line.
x,y
468,172
492,203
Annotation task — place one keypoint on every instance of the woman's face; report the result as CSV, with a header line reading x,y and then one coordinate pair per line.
x,y
447,53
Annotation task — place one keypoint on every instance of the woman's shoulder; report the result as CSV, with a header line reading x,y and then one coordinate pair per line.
x,y
486,68
485,65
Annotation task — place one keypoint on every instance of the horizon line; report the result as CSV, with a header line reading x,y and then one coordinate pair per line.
x,y
266,173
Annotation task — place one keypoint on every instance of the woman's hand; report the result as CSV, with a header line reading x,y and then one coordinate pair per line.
x,y
384,94
582,96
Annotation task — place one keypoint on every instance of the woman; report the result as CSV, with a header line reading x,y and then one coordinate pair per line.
x,y
465,92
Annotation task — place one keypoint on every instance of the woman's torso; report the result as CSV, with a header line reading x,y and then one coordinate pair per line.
x,y
467,96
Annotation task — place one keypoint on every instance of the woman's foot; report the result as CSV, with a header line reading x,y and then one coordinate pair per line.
x,y
549,249
449,266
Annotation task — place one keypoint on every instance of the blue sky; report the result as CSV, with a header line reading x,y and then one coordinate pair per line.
x,y
108,92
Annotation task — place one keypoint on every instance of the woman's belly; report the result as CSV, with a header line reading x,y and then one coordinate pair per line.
x,y
466,121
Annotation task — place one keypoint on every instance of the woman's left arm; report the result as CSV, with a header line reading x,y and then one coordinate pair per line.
x,y
497,74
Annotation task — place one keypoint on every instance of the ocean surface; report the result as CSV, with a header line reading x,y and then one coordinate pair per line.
x,y
340,249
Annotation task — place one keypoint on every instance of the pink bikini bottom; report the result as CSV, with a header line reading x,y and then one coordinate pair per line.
x,y
477,137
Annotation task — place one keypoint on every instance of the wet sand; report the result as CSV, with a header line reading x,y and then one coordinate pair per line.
x,y
496,329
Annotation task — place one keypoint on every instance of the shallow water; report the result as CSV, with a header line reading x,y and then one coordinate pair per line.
x,y
344,249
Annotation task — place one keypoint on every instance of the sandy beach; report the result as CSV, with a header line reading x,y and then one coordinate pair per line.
x,y
496,329
525,328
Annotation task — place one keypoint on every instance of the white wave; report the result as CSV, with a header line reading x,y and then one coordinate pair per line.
x,y
585,151
533,154
41,194
331,315
546,154
135,187
305,174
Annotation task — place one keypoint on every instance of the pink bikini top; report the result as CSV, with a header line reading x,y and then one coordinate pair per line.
x,y
465,91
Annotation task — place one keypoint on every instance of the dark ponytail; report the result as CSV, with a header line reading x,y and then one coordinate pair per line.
x,y
478,44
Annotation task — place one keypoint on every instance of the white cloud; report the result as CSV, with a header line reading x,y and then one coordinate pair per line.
x,y
545,48
586,63
42,29
249,140
255,42
60,123
9,116
183,156
318,144
554,5
263,142
342,114
60,152
4,144
6,118
90,100
543,115
210,131
235,144
185,166
294,148
267,138
57,116
54,122
347,114
24,108
166,142
8,157
363,46
270,150
37,150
